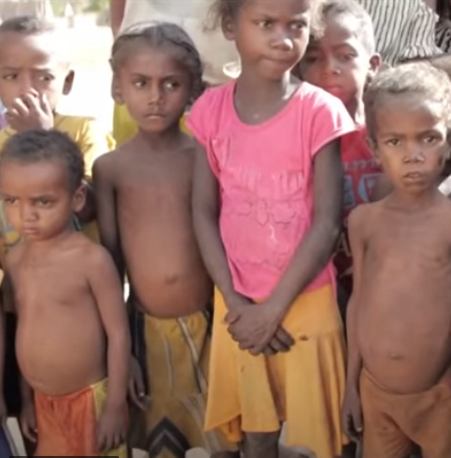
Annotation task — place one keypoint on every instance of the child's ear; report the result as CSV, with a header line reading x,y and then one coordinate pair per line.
x,y
374,66
68,82
116,91
372,145
228,28
79,199
375,63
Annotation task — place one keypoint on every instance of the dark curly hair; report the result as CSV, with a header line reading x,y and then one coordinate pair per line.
x,y
34,146
158,34
414,79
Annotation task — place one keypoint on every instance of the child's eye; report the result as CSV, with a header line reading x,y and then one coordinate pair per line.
x,y
393,142
139,84
299,25
171,85
47,78
10,76
43,202
429,140
310,59
264,24
346,57
9,200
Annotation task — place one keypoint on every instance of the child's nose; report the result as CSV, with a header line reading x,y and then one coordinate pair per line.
x,y
283,39
26,85
27,213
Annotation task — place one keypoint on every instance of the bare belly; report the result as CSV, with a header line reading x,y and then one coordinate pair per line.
x,y
60,350
404,332
165,270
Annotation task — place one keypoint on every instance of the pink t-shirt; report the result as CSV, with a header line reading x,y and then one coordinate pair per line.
x,y
265,175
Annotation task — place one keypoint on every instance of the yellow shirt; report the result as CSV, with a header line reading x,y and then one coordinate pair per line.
x,y
92,141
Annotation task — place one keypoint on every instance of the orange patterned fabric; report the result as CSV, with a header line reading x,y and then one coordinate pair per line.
x,y
67,424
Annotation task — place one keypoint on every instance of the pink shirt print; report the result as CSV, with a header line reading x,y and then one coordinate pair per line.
x,y
265,175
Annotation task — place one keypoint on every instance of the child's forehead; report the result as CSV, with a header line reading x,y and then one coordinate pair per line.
x,y
146,59
337,29
412,112
51,170
46,49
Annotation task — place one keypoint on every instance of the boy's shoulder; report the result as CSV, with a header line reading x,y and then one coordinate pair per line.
x,y
14,257
364,215
115,161
93,255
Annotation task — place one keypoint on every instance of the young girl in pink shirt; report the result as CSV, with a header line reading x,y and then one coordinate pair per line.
x,y
267,210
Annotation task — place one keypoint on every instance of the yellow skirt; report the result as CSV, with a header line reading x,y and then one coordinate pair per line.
x,y
304,387
124,127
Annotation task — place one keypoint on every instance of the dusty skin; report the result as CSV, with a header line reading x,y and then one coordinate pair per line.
x,y
60,338
154,227
404,304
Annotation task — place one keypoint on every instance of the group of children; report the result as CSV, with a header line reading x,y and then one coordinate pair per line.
x,y
232,327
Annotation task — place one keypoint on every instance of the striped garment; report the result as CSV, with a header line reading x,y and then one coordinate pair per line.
x,y
404,29
443,36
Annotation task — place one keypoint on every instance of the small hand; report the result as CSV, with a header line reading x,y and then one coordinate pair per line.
x,y
136,389
112,429
31,111
351,414
258,329
28,421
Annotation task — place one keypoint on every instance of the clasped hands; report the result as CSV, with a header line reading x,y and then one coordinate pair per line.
x,y
257,327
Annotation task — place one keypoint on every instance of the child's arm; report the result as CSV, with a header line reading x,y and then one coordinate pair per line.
x,y
352,415
106,212
206,217
106,288
317,247
93,142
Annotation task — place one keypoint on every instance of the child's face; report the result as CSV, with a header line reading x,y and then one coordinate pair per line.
x,y
338,62
154,86
32,63
271,35
411,141
38,201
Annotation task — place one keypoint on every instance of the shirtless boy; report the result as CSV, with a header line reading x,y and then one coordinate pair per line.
x,y
145,221
35,74
73,343
399,316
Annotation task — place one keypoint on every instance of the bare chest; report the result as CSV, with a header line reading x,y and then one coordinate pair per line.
x,y
153,187
49,283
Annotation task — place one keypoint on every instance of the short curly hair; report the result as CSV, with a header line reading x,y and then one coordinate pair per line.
x,y
420,79
33,146
325,9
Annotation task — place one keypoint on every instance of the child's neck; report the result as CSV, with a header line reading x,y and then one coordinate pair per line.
x,y
161,140
410,202
53,242
257,99
356,110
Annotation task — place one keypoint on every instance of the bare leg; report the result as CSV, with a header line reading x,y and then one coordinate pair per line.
x,y
259,445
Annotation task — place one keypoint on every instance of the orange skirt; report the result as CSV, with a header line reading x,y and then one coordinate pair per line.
x,y
304,387
67,425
